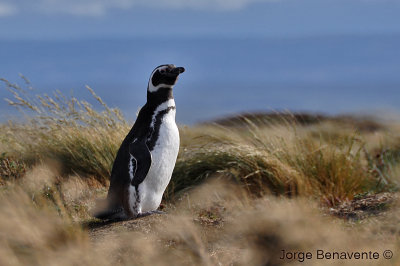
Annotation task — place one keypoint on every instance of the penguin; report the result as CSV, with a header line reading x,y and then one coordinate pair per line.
x,y
146,158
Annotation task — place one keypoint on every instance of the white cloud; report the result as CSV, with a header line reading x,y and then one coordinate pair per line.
x,y
204,4
83,7
101,7
7,9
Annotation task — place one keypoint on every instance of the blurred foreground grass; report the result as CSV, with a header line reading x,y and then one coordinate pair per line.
x,y
55,164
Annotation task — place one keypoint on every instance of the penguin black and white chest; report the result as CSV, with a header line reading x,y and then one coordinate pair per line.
x,y
144,163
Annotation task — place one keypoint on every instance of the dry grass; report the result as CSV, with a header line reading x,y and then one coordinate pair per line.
x,y
267,184
289,159
291,155
64,129
215,224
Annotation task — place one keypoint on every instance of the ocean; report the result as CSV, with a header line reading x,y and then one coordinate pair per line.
x,y
324,74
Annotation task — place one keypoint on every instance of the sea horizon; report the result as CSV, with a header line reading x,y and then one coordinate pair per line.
x,y
329,74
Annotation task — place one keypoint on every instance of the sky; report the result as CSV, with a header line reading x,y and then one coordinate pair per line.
x,y
326,56
66,19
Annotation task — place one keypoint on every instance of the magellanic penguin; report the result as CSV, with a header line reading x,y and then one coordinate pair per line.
x,y
144,163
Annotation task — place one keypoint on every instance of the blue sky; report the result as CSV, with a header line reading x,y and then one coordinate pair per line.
x,y
329,56
65,19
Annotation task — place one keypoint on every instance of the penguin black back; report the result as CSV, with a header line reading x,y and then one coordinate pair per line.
x,y
134,157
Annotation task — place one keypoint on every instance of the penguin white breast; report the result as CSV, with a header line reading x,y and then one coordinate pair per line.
x,y
164,156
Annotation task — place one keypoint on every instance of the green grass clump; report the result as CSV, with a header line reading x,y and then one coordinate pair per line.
x,y
11,168
259,172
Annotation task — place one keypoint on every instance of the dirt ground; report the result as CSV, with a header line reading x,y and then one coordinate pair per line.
x,y
213,224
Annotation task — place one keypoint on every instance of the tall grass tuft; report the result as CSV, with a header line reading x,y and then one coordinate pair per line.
x,y
65,129
282,159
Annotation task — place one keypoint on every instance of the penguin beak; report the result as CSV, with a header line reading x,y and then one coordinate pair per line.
x,y
178,70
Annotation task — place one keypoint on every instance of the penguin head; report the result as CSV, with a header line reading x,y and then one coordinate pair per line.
x,y
164,76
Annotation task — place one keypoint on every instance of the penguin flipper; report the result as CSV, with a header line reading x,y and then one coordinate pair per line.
x,y
141,153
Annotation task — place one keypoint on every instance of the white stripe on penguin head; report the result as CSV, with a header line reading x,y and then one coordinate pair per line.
x,y
151,87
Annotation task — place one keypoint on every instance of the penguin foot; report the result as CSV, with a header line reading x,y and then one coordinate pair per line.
x,y
111,214
144,214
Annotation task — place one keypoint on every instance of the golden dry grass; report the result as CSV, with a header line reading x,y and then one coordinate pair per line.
x,y
240,193
217,223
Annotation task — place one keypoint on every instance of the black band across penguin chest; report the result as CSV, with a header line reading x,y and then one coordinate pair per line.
x,y
156,124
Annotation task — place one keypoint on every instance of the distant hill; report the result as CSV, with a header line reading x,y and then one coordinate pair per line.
x,y
362,123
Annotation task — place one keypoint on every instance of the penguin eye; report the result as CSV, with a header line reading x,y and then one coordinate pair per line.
x,y
162,71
